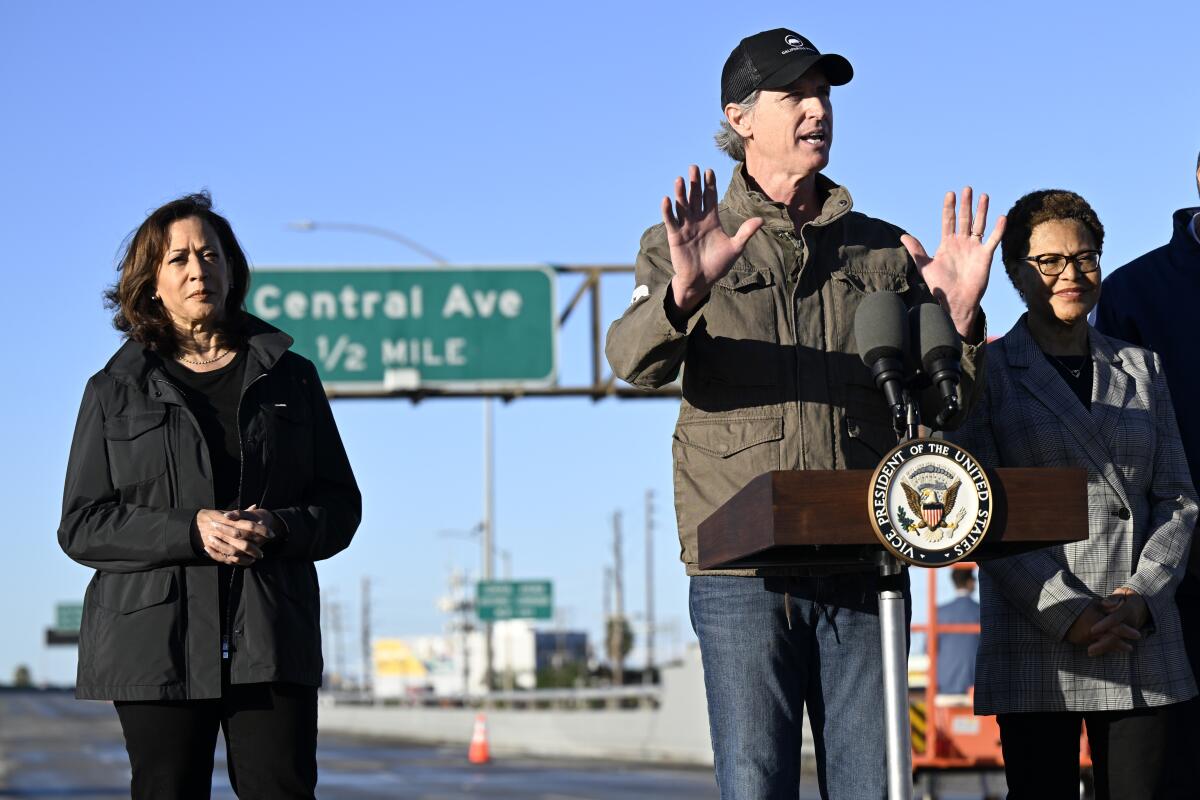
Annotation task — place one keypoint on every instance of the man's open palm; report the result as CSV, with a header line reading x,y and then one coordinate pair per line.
x,y
701,251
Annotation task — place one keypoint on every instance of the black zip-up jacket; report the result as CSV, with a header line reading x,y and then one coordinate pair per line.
x,y
138,473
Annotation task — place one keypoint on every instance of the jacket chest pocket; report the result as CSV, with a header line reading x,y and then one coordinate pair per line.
x,y
737,340
288,442
848,288
741,305
137,447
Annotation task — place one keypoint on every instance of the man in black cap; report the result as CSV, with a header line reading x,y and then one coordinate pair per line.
x,y
755,297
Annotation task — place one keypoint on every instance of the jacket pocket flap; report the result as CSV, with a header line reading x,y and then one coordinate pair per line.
x,y
727,437
131,426
292,412
125,593
744,281
869,281
296,579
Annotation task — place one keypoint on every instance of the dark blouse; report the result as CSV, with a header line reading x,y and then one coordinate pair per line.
x,y
1076,371
213,397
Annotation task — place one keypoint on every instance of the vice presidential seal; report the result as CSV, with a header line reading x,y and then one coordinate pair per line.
x,y
930,502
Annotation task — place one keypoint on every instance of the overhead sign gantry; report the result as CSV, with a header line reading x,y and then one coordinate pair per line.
x,y
449,331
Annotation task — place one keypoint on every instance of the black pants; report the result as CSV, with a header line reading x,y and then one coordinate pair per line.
x,y
1185,725
1130,753
270,743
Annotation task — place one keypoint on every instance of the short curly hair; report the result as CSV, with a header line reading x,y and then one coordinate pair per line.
x,y
1044,205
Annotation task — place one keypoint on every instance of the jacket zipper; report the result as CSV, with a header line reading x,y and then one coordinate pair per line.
x,y
175,498
800,254
227,637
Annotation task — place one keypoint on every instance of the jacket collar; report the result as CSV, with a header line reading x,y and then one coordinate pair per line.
x,y
1111,392
137,365
1183,244
749,202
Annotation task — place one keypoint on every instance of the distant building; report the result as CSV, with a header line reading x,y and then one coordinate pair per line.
x,y
438,666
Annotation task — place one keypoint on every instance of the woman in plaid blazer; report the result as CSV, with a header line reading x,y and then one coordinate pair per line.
x,y
1089,631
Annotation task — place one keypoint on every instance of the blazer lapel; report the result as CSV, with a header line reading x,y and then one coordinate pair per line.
x,y
1109,386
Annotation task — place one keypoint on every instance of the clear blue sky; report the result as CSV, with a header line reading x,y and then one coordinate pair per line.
x,y
507,133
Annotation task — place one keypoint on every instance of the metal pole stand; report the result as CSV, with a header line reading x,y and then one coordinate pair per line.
x,y
892,637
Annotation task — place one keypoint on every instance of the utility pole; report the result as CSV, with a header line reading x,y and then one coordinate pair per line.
x,y
650,622
607,615
326,646
487,533
458,602
367,678
617,634
339,651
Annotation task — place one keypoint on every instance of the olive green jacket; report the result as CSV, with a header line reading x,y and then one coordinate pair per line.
x,y
772,378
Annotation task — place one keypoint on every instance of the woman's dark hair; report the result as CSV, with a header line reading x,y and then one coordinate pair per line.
x,y
1044,205
135,311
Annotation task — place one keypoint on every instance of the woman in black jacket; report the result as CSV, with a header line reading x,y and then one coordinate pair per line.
x,y
206,476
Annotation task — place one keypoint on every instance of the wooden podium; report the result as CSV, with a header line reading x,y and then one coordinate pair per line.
x,y
820,517
814,518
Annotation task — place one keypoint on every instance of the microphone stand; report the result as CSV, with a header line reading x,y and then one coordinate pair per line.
x,y
893,639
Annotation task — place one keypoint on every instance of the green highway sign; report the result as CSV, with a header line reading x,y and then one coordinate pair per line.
x,y
499,600
381,329
68,616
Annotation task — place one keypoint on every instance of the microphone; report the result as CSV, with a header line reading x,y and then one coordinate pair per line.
x,y
881,331
940,349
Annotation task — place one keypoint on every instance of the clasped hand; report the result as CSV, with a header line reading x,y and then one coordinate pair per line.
x,y
235,537
1110,625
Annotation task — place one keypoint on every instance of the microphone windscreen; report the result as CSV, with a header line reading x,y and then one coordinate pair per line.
x,y
937,337
881,327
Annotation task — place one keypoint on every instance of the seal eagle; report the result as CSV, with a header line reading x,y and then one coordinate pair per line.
x,y
929,512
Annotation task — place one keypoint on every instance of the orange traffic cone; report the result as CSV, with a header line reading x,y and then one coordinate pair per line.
x,y
478,753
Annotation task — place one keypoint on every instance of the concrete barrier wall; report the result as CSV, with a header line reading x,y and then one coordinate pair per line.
x,y
675,732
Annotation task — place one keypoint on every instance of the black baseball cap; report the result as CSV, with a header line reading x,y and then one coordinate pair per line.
x,y
773,59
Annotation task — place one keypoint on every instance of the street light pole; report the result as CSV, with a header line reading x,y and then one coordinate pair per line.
x,y
373,230
489,526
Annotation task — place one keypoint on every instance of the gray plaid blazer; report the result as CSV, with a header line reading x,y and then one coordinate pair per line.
x,y
1141,513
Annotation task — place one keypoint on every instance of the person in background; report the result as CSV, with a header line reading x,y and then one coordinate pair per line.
x,y
1151,302
956,651
206,476
1087,631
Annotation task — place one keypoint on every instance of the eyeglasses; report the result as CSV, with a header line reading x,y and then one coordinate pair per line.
x,y
1051,264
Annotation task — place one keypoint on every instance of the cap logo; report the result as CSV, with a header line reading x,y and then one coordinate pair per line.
x,y
794,43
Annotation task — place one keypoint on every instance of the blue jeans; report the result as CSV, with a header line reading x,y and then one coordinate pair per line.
x,y
760,671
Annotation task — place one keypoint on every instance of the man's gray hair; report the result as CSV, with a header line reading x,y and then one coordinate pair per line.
x,y
730,141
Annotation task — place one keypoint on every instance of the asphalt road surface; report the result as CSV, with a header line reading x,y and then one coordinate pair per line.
x,y
53,746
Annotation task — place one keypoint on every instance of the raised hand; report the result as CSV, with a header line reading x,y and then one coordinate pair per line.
x,y
958,272
701,251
